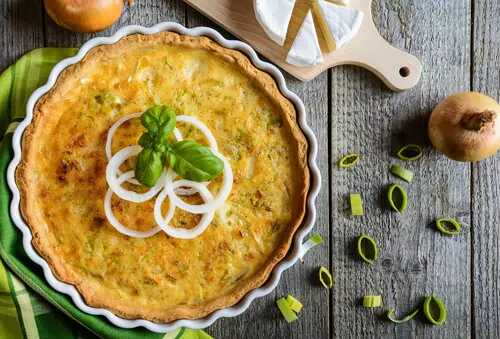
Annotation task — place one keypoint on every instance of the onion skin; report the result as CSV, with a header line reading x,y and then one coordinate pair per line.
x,y
466,126
84,15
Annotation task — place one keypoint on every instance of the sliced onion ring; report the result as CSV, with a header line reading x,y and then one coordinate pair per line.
x,y
202,127
166,182
115,185
207,207
208,135
183,233
112,131
109,140
108,210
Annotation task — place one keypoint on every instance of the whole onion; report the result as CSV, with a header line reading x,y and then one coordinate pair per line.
x,y
466,126
84,15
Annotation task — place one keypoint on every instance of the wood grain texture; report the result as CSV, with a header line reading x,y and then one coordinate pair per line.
x,y
262,319
486,179
415,259
20,23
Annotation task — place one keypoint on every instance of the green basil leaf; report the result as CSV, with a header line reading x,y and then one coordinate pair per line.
x,y
150,122
146,140
149,167
161,148
194,162
159,121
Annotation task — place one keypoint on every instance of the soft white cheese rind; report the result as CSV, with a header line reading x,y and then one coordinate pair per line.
x,y
343,22
341,2
274,17
305,50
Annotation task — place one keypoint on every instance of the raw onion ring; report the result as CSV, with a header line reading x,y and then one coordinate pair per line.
x,y
108,210
109,140
114,184
170,187
111,133
208,135
177,232
207,207
202,127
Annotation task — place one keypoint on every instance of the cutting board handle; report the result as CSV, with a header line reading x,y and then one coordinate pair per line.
x,y
397,69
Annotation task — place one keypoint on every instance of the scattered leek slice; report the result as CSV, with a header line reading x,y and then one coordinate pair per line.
x,y
294,304
371,301
325,277
178,333
409,152
367,248
349,160
391,315
314,240
435,310
397,197
286,310
289,307
356,204
402,173
192,334
448,226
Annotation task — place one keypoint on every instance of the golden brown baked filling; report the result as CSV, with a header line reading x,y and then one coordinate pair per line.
x,y
62,177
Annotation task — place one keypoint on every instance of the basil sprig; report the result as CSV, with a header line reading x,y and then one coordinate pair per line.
x,y
189,159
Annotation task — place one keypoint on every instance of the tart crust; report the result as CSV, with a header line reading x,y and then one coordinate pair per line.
x,y
25,177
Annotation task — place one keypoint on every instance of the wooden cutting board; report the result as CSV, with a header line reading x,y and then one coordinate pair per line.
x,y
399,70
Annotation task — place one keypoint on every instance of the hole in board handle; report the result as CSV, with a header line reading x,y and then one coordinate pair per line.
x,y
404,71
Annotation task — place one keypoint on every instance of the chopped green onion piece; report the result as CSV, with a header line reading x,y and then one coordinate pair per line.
x,y
191,334
367,248
371,301
435,310
349,160
285,310
397,198
325,277
356,204
391,315
294,304
448,226
314,240
409,152
174,334
402,173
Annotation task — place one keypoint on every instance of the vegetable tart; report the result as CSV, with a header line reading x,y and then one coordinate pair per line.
x,y
62,177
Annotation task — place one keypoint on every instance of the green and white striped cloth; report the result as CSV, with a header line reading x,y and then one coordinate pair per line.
x,y
29,307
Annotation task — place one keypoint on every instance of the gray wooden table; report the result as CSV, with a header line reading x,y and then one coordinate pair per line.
x,y
349,109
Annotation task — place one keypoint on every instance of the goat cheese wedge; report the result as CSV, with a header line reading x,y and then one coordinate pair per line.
x,y
274,17
338,24
305,50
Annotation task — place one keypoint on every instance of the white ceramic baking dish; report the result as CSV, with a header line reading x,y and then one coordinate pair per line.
x,y
274,278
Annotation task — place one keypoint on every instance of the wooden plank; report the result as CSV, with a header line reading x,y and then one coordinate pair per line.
x,y
19,29
486,179
367,49
415,259
262,319
143,12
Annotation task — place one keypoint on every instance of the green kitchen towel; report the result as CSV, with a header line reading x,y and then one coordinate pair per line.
x,y
29,307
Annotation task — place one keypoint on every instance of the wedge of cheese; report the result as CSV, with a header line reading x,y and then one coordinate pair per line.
x,y
338,24
341,2
274,17
305,50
